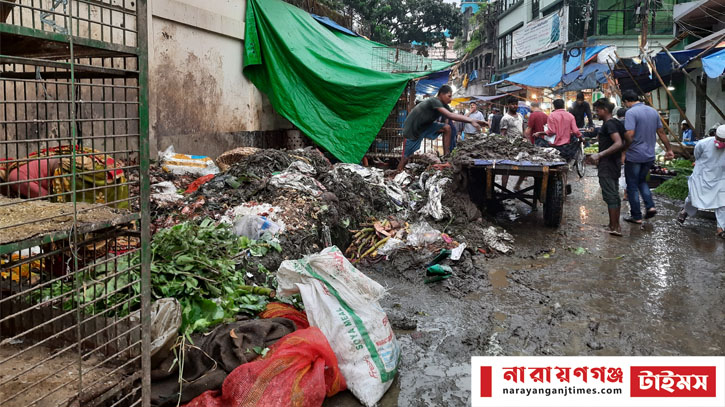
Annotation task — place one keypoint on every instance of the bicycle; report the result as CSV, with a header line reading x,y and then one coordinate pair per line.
x,y
575,152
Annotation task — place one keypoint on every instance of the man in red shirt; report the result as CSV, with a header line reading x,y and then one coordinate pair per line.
x,y
562,124
537,120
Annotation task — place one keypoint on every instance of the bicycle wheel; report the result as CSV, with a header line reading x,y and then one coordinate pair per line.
x,y
580,161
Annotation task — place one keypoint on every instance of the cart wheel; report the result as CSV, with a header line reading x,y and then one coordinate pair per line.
x,y
554,205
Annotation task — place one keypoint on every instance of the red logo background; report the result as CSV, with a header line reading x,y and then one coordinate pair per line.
x,y
636,391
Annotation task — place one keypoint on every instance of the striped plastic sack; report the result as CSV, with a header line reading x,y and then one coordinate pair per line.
x,y
343,303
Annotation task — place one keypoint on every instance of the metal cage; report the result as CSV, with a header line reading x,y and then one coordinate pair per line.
x,y
74,260
388,144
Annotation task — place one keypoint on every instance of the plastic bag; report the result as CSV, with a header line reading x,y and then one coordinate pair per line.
x,y
299,370
298,176
165,325
165,193
422,234
198,183
434,207
181,164
391,246
254,226
343,303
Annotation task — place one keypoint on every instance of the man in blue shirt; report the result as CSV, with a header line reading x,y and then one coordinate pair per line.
x,y
642,124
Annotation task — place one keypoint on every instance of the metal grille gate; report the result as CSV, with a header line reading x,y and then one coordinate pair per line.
x,y
74,273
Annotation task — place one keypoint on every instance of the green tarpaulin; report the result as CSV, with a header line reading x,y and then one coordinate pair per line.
x,y
321,80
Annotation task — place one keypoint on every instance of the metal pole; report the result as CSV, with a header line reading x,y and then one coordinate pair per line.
x,y
697,86
645,22
584,41
648,100
145,190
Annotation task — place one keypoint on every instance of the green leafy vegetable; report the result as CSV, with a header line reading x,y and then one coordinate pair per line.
x,y
675,188
192,262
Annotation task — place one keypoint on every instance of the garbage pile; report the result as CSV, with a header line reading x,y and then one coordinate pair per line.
x,y
498,147
250,256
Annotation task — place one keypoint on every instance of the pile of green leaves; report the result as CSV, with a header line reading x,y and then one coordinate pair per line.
x,y
681,166
194,262
675,188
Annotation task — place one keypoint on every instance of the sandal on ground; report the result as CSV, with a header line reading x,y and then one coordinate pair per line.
x,y
650,213
682,217
615,233
633,220
721,234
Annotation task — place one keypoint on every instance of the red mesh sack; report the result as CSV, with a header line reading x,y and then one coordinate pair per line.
x,y
298,371
282,310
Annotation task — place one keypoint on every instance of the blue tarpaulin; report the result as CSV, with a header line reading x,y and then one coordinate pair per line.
x,y
547,73
714,64
646,80
331,24
431,83
593,75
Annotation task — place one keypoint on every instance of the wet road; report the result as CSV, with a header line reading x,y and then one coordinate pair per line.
x,y
576,290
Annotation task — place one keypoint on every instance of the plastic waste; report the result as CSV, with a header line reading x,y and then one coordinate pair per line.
x,y
422,234
343,303
181,164
254,226
165,325
297,176
165,192
375,176
391,246
458,252
434,207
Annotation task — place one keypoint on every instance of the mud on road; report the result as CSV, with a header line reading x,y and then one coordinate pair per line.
x,y
569,291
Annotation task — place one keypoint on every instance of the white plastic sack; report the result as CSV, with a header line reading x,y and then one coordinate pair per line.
x,y
343,303
181,164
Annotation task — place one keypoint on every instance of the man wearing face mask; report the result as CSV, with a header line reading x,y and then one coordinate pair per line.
x,y
707,183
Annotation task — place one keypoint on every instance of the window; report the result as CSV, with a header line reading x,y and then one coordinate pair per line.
x,y
506,4
504,50
618,17
552,9
534,9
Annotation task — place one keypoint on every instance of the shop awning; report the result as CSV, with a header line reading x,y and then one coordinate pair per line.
x,y
320,79
547,73
714,64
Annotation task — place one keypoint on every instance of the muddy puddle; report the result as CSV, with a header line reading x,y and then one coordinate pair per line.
x,y
569,291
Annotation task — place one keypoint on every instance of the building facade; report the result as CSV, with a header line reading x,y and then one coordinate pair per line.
x,y
611,22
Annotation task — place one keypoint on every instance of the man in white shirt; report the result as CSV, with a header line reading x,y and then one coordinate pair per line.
x,y
707,183
475,114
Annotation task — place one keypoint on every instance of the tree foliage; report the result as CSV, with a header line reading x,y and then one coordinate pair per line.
x,y
395,22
